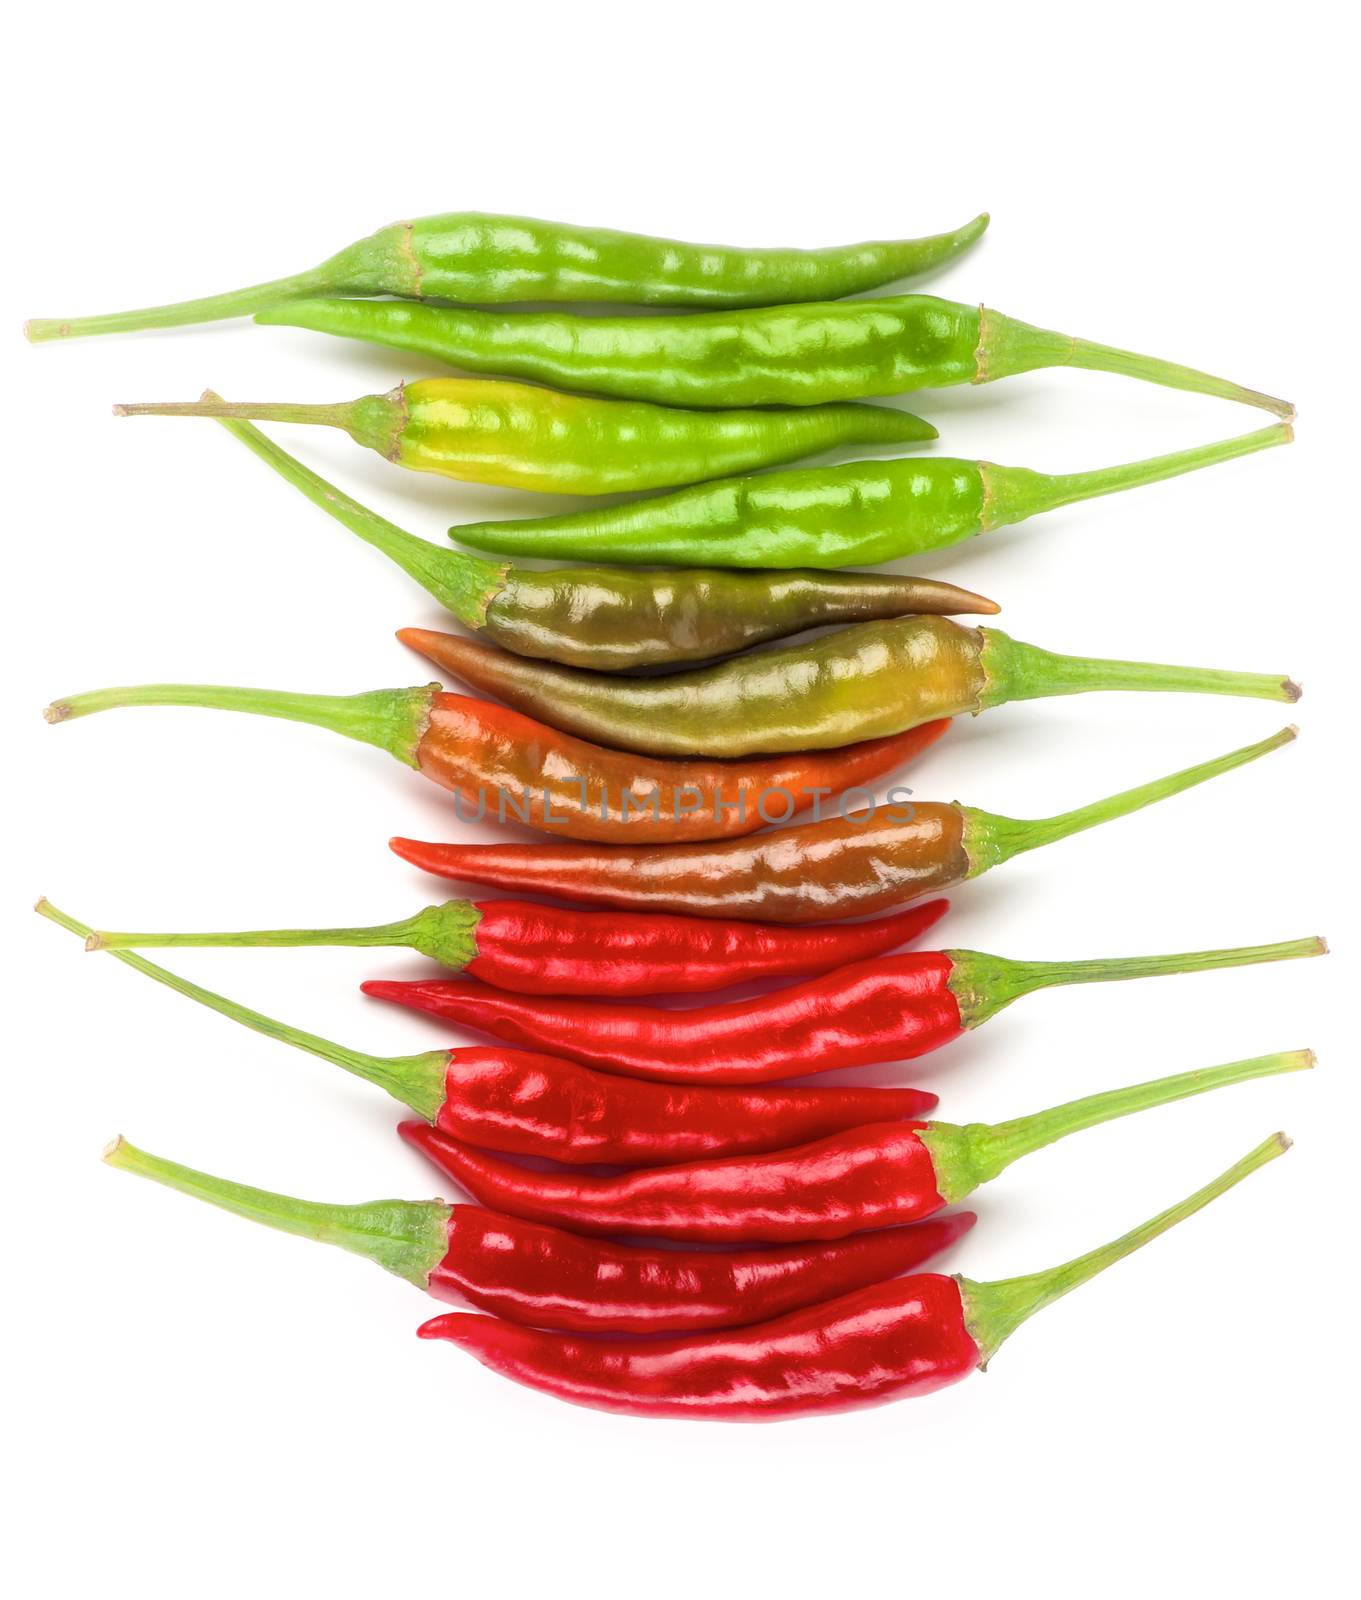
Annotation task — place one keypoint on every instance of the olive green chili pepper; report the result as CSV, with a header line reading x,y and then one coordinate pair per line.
x,y
862,512
470,255
862,682
609,618
527,438
778,355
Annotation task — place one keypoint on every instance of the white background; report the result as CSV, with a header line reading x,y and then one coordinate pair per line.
x,y
199,1405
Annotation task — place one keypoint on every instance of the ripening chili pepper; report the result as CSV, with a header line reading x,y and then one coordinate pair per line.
x,y
852,1182
776,355
612,619
537,1105
890,1009
903,1338
863,682
549,1278
537,949
482,431
849,865
857,513
495,260
501,764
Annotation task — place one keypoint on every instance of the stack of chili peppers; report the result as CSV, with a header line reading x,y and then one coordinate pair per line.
x,y
659,1135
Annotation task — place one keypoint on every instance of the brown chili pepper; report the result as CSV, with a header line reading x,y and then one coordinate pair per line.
x,y
843,866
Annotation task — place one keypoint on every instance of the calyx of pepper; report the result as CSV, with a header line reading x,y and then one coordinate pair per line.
x,y
406,1237
994,1311
966,1156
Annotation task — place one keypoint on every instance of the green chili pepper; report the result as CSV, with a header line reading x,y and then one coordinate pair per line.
x,y
862,682
862,512
527,438
779,355
609,618
470,255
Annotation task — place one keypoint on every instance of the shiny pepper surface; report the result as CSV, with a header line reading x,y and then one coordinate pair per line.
x,y
888,1342
791,355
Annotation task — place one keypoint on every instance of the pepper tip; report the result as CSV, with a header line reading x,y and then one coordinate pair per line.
x,y
95,942
1291,690
113,1149
58,711
1283,1141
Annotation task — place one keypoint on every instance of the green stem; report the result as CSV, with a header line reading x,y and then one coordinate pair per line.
x,y
408,1237
994,1311
211,308
446,933
394,720
374,420
990,839
1006,347
1011,494
463,584
1017,671
984,984
965,1157
417,1081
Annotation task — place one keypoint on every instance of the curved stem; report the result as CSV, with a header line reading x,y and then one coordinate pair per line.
x,y
394,720
965,1157
1006,347
446,933
417,1081
990,839
1017,671
984,984
463,584
993,1311
210,308
1011,494
408,1237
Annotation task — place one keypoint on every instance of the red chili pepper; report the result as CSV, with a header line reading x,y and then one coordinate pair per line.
x,y
842,866
889,1009
506,765
535,949
867,1178
538,1105
541,1275
897,1339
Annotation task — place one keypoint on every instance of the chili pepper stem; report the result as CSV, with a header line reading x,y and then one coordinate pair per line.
x,y
463,584
1014,670
965,1157
407,1237
990,839
417,1081
994,1311
983,985
445,933
1006,347
394,720
211,308
374,420
1011,494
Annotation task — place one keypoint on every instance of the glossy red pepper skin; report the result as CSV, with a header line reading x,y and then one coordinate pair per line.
x,y
548,1278
904,1337
508,766
892,1008
880,1176
539,1105
539,949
